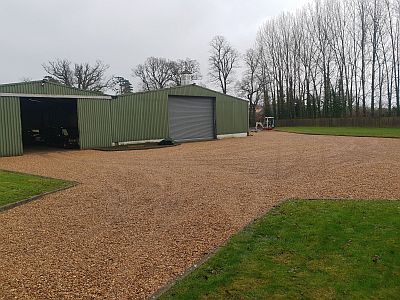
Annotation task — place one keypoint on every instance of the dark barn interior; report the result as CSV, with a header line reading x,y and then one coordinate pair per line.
x,y
50,122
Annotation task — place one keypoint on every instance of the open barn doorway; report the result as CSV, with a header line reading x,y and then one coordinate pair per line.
x,y
49,122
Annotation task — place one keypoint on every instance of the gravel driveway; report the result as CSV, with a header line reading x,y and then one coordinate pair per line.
x,y
140,218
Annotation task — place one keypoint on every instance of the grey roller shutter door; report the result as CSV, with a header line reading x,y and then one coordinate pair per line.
x,y
191,118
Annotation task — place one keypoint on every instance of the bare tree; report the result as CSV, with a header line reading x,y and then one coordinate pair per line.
x,y
155,73
392,9
250,86
222,62
362,17
91,77
80,75
386,32
60,70
266,82
374,12
334,58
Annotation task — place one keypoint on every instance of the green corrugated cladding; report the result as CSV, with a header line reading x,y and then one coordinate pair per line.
x,y
94,122
144,116
135,117
231,116
141,116
10,127
44,88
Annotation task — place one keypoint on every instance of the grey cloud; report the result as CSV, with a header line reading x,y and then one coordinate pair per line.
x,y
123,33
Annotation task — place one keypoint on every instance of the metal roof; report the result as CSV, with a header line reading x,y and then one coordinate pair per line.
x,y
47,89
192,86
43,88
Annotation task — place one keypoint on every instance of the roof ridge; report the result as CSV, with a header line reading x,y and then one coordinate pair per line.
x,y
69,87
183,86
30,82
22,82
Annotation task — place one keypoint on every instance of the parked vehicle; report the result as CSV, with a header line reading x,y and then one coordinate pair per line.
x,y
62,137
33,137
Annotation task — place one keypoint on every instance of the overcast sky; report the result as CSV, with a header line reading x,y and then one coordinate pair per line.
x,y
122,33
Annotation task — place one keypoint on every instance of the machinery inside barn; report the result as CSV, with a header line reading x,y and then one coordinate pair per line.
x,y
49,122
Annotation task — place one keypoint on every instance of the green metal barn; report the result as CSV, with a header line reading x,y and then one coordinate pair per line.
x,y
185,113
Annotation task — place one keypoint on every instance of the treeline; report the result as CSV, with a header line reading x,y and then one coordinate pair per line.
x,y
155,73
331,59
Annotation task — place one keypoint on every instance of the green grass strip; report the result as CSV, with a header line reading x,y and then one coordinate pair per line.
x,y
306,249
15,187
345,131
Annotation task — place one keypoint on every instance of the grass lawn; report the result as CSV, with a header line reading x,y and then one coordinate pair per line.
x,y
348,131
304,249
15,187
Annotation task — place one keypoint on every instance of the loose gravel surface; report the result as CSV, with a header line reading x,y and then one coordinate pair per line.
x,y
140,218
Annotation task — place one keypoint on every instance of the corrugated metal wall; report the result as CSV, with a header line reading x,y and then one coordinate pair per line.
x,y
47,88
144,116
231,116
136,117
141,116
94,121
10,127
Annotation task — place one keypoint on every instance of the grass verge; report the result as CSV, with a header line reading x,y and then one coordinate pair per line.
x,y
302,249
15,187
345,131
